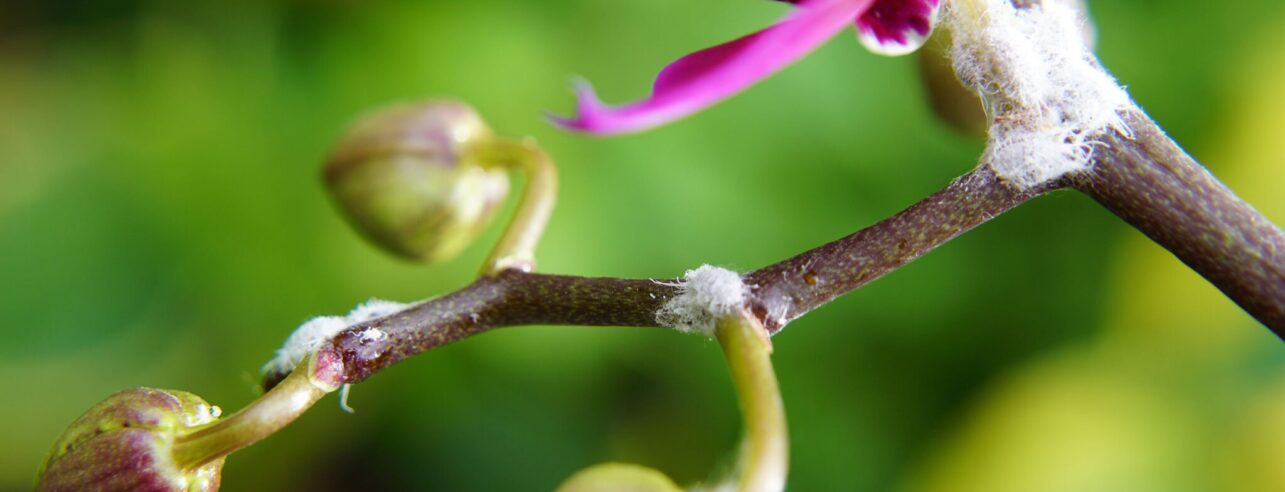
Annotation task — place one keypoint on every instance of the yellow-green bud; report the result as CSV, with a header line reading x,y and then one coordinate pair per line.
x,y
125,442
618,477
408,177
957,106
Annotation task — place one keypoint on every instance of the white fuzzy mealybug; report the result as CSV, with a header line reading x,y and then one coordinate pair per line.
x,y
1041,83
312,333
704,295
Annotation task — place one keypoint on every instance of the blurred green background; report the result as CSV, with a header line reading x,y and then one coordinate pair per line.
x,y
162,224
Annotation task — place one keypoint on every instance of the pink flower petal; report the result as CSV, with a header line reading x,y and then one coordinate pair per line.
x,y
701,79
897,27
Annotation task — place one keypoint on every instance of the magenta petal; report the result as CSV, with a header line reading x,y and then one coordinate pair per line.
x,y
705,77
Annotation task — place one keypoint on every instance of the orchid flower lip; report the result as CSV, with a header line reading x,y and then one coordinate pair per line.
x,y
706,77
701,79
586,97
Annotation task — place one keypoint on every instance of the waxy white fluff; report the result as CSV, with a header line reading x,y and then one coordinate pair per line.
x,y
1041,83
309,336
704,295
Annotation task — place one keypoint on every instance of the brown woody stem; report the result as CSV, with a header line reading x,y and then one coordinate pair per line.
x,y
791,288
1148,181
779,293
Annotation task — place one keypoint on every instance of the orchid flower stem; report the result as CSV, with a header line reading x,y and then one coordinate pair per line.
x,y
1150,182
764,458
263,417
795,286
516,247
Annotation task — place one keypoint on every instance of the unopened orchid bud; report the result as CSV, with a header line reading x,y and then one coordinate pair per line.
x,y
618,477
409,177
125,443
956,105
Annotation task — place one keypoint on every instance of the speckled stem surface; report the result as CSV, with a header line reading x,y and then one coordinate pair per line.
x,y
1146,179
791,288
1149,181
508,298
778,293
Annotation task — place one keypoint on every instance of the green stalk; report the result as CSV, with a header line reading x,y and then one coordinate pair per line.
x,y
516,247
263,417
764,459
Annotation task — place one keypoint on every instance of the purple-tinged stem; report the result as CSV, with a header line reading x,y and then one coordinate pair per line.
x,y
792,287
1151,183
508,298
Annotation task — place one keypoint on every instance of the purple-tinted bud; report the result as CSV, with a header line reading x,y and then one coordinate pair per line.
x,y
125,442
408,177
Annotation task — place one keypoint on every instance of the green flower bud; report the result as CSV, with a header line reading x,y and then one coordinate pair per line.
x,y
954,104
408,177
125,442
618,477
